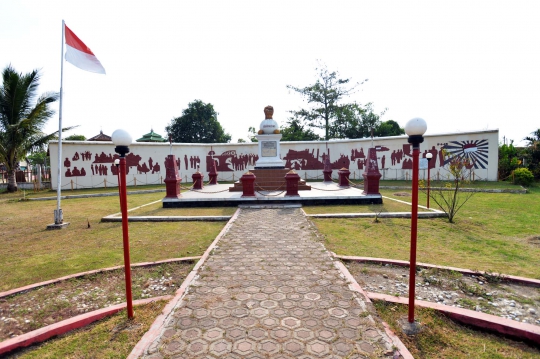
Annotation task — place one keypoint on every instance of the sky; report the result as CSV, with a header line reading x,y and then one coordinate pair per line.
x,y
460,65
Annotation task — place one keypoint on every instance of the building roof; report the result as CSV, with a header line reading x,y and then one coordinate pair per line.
x,y
100,137
151,137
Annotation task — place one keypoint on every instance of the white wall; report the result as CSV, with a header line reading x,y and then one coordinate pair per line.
x,y
146,160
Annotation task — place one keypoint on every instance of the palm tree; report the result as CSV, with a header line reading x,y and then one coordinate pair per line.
x,y
22,119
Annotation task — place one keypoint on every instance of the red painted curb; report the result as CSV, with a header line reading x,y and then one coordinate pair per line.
x,y
401,348
95,271
510,278
156,328
42,334
476,319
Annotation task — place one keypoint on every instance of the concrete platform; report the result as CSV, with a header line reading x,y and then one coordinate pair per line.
x,y
321,194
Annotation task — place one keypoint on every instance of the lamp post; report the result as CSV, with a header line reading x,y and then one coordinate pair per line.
x,y
429,156
122,140
415,129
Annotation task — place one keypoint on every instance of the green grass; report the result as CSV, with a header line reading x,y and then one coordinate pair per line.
x,y
474,184
387,206
157,209
440,337
30,253
111,337
491,232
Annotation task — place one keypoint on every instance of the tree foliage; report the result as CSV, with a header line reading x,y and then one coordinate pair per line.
x,y
22,118
324,99
198,124
294,130
75,138
532,153
508,160
389,128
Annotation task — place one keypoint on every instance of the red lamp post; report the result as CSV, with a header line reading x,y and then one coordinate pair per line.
x,y
415,129
429,156
122,140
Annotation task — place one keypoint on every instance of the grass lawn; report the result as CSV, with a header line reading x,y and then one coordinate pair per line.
x,y
30,253
442,338
111,337
493,231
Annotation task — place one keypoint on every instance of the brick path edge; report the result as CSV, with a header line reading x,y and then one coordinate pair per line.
x,y
479,320
42,334
402,349
155,330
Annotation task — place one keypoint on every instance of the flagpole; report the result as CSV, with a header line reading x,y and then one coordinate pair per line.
x,y
58,215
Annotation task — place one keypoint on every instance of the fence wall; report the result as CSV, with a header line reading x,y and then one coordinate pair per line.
x,y
91,164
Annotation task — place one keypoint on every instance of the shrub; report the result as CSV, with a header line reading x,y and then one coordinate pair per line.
x,y
523,176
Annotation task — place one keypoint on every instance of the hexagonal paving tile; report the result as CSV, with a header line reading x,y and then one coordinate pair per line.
x,y
277,296
293,347
260,296
343,348
239,312
174,347
295,296
312,296
332,322
213,334
183,312
311,323
348,333
191,334
228,322
248,322
268,347
244,347
257,334
200,313
318,348
196,347
259,312
326,334
220,313
338,312
220,348
280,313
252,289
365,347
235,333
269,304
207,323
269,322
290,322
219,290
303,334
280,333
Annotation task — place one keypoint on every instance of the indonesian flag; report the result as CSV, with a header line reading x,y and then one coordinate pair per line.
x,y
80,55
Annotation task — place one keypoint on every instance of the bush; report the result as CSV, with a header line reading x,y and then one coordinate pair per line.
x,y
523,176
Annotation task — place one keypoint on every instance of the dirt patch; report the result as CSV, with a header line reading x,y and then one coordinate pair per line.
x,y
486,293
534,241
402,194
34,309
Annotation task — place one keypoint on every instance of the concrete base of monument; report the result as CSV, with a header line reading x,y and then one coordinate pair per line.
x,y
322,193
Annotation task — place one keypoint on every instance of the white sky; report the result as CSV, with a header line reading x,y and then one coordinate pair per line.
x,y
460,65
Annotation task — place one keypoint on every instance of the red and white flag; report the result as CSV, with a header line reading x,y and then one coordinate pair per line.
x,y
80,55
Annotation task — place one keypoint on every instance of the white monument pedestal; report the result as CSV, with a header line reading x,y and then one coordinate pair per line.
x,y
269,152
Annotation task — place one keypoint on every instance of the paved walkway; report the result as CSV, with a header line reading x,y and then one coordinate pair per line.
x,y
271,290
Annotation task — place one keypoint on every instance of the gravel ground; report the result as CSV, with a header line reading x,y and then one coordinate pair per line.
x,y
33,309
489,294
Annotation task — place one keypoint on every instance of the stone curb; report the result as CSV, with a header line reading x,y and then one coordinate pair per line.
x,y
168,219
353,284
82,274
486,190
93,195
379,215
481,320
42,334
509,278
155,330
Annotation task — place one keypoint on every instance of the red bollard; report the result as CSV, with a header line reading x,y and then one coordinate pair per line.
x,y
172,178
248,184
344,177
372,174
213,174
197,180
292,179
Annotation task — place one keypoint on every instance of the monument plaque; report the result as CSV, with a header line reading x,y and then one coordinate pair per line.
x,y
268,148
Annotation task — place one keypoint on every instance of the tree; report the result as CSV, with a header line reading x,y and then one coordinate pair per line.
x,y
198,124
508,160
450,197
296,131
389,128
75,138
532,153
251,134
324,99
22,118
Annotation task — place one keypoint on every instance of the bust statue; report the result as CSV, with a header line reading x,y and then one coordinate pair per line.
x,y
268,112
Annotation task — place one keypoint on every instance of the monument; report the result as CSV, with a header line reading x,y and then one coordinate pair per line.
x,y
269,137
269,172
